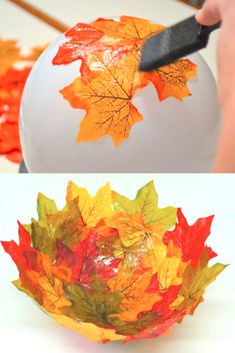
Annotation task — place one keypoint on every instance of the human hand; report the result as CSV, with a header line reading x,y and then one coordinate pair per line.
x,y
213,12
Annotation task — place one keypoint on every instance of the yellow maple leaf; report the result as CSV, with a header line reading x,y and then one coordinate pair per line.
x,y
54,298
92,208
135,299
168,273
128,28
89,330
195,281
138,239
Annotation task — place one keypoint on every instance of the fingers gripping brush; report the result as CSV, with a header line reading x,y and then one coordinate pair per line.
x,y
174,43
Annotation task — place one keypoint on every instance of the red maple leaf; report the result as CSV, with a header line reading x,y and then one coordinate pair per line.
x,y
84,261
191,239
24,255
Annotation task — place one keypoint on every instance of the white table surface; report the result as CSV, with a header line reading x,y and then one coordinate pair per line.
x,y
24,328
18,24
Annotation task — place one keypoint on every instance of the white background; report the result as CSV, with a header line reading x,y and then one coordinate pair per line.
x,y
24,328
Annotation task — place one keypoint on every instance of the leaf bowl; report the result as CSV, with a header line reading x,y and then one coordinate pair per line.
x,y
111,268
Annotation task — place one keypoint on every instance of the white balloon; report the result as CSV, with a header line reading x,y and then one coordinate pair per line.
x,y
173,137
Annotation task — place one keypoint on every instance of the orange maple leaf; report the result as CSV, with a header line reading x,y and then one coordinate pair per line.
x,y
108,101
133,286
110,54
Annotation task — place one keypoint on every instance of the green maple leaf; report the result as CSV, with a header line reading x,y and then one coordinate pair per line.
x,y
53,224
195,281
146,204
94,305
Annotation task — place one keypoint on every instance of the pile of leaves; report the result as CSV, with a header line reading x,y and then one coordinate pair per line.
x,y
14,71
109,51
112,268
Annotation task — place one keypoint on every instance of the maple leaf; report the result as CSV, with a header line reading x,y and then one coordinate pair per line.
x,y
132,286
190,239
84,261
54,224
84,44
171,80
23,254
9,142
54,299
44,282
146,204
35,273
137,240
108,101
84,35
195,280
94,305
110,53
128,28
91,208
89,330
159,329
168,273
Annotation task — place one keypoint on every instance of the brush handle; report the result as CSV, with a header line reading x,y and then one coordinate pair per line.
x,y
205,31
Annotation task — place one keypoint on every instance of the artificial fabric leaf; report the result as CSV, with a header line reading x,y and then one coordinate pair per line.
x,y
195,281
84,44
89,330
23,254
190,239
135,298
159,329
171,80
107,100
83,262
94,305
65,225
45,207
128,28
41,284
91,208
138,239
54,299
146,204
168,273
110,53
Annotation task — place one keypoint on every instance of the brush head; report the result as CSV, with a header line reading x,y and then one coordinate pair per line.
x,y
172,44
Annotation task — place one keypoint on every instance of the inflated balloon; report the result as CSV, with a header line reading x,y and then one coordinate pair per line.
x,y
87,107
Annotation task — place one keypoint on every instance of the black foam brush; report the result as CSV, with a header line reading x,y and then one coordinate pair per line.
x,y
174,43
